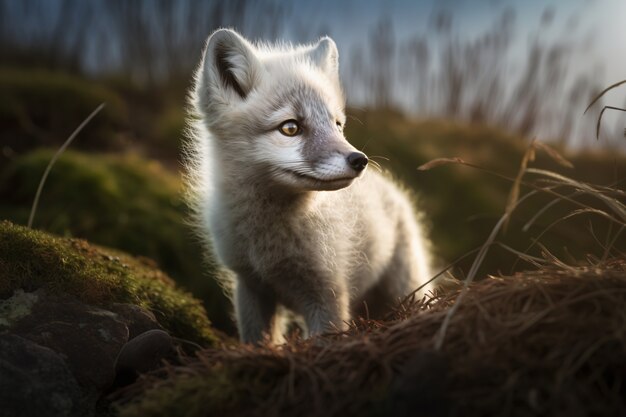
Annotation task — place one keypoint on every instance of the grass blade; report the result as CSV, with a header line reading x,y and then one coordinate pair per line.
x,y
603,92
529,156
552,153
69,140
614,204
440,161
441,334
598,124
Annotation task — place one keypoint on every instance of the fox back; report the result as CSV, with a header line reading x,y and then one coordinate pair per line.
x,y
282,197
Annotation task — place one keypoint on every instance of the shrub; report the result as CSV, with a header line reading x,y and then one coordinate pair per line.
x,y
40,108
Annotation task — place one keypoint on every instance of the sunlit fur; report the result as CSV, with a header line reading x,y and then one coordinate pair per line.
x,y
299,228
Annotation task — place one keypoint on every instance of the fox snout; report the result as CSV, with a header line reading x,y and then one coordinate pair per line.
x,y
357,161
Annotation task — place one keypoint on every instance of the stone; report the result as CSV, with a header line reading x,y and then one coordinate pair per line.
x,y
144,353
17,306
36,381
87,337
137,319
91,343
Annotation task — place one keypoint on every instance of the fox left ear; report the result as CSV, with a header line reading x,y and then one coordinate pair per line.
x,y
230,65
325,55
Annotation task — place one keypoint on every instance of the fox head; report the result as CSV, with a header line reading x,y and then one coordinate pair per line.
x,y
277,111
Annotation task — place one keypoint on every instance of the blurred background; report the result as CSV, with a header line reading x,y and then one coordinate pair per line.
x,y
424,79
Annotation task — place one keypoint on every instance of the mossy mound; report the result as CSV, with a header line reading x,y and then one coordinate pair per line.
x,y
42,108
549,342
30,260
124,202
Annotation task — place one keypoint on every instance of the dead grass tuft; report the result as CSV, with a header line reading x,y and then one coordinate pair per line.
x,y
548,342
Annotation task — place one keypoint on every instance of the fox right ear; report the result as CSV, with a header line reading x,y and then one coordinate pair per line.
x,y
324,54
230,64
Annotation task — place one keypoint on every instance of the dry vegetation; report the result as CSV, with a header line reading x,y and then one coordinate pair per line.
x,y
549,342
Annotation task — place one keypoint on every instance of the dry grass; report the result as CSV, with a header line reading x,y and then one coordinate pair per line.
x,y
549,342
551,183
598,97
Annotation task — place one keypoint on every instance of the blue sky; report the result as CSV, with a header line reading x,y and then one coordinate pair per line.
x,y
599,26
595,30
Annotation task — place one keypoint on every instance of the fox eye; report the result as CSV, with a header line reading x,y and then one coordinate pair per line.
x,y
289,128
339,125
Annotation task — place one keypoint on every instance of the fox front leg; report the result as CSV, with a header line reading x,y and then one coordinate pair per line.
x,y
325,311
254,309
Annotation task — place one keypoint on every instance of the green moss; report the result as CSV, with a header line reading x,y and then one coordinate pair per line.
x,y
31,259
220,391
188,397
125,202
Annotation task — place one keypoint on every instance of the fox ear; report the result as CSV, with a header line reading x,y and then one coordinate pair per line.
x,y
230,63
325,55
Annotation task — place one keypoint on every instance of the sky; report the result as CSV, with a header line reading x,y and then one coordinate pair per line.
x,y
599,25
596,30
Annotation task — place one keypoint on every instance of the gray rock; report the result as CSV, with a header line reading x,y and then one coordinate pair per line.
x,y
66,352
16,307
87,337
145,353
35,381
137,319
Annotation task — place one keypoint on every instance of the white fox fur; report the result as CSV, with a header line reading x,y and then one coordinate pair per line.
x,y
302,226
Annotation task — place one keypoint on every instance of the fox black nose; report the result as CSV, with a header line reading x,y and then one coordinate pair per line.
x,y
357,161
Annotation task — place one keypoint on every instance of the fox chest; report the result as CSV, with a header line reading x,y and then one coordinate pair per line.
x,y
274,243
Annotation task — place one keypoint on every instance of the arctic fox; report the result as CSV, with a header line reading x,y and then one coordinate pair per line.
x,y
284,200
